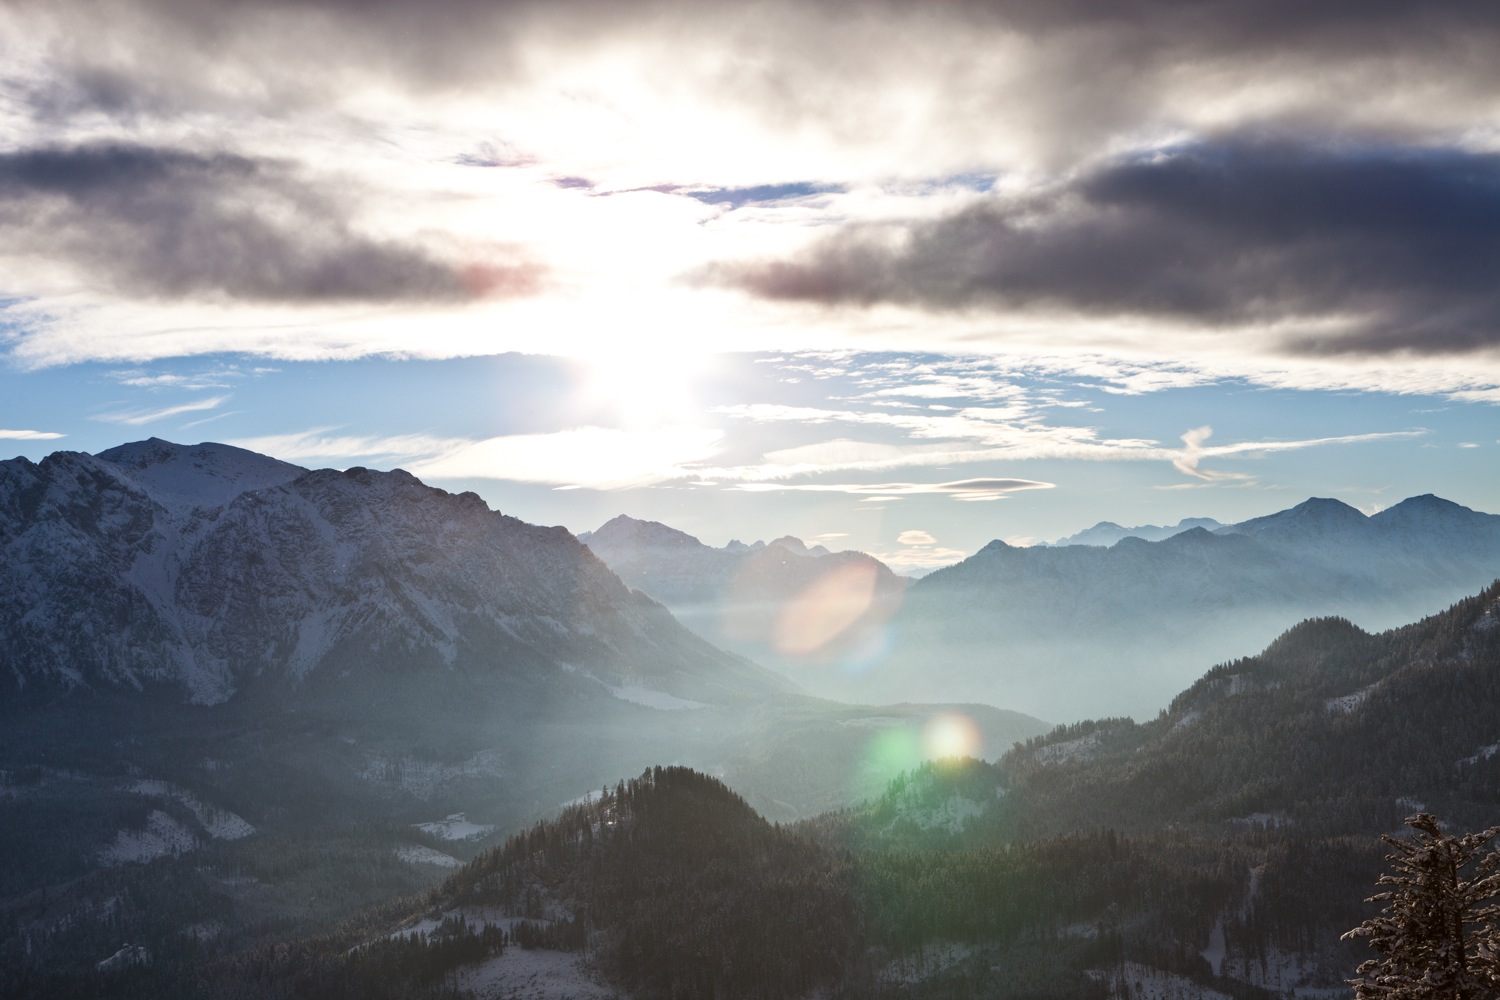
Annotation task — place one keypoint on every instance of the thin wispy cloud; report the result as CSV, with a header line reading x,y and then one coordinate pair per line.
x,y
29,435
135,418
964,489
325,444
1194,450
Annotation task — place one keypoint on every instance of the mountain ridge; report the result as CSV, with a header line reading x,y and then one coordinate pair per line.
x,y
224,568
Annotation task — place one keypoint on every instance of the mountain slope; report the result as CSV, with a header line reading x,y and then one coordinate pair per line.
x,y
1075,631
1330,729
213,570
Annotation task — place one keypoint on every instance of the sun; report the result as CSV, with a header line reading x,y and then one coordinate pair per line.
x,y
644,387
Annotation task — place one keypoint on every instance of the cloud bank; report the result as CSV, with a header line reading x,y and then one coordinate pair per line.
x,y
1368,250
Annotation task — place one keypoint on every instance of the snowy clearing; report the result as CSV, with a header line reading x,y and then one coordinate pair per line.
x,y
1485,753
874,722
131,954
1188,719
949,816
934,959
1082,748
414,855
533,975
220,824
658,700
424,778
1141,982
1347,703
163,836
456,827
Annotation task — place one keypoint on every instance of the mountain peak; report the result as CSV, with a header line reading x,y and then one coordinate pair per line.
x,y
791,543
207,474
1326,505
1315,516
624,531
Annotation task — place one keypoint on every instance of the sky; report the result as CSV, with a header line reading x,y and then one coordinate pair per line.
x,y
898,277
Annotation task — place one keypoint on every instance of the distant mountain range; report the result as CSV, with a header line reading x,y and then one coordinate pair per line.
x,y
1108,532
1077,630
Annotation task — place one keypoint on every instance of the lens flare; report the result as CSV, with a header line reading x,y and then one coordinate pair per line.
x,y
825,610
950,734
887,754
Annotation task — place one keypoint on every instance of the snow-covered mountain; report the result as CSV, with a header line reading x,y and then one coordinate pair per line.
x,y
1073,631
783,603
213,570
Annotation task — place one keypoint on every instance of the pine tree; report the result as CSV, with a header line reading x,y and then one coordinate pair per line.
x,y
1437,935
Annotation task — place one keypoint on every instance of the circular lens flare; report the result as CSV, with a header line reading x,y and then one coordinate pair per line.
x,y
825,610
950,734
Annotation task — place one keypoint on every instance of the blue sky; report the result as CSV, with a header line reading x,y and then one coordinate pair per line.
x,y
859,273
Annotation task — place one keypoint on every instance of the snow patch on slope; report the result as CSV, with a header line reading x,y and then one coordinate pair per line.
x,y
659,700
424,778
1485,753
220,824
162,837
533,974
415,855
1134,981
456,827
1345,704
1083,748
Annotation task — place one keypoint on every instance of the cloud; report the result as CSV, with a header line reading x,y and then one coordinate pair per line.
x,y
964,489
1187,461
154,222
220,378
1358,249
922,555
915,538
134,418
17,435
593,457
955,85
323,444
959,158
1194,450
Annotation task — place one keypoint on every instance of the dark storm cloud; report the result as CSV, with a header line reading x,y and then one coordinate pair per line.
x,y
1092,68
1404,243
146,221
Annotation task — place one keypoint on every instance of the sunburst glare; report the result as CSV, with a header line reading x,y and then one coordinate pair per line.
x,y
950,734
